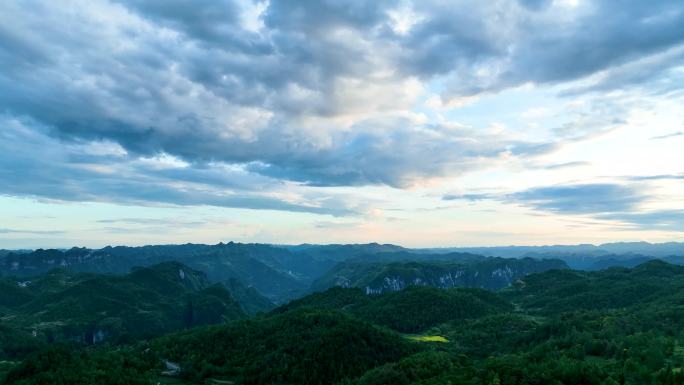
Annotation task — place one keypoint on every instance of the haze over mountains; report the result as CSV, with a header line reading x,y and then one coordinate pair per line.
x,y
585,256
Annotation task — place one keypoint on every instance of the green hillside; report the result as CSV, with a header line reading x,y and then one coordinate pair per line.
x,y
254,265
94,308
566,290
486,273
300,347
615,326
249,298
411,310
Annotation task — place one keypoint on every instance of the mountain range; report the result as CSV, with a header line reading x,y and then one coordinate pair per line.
x,y
283,272
581,257
560,326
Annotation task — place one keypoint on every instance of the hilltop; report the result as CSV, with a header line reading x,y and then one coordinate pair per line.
x,y
93,308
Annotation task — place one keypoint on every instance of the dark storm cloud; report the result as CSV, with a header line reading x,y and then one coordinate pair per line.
x,y
315,94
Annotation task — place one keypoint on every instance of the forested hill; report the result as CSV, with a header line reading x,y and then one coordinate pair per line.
x,y
411,310
651,283
253,265
467,271
95,308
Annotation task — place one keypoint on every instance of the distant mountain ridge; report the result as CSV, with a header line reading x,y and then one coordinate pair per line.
x,y
654,249
485,273
221,262
583,256
278,272
284,272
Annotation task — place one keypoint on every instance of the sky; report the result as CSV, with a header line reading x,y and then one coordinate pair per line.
x,y
421,123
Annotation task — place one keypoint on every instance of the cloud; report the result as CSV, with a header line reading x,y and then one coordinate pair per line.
x,y
337,225
32,232
601,201
657,74
469,197
565,165
598,117
656,177
671,220
213,21
257,99
41,167
668,136
298,110
397,153
154,225
497,45
535,5
153,221
582,198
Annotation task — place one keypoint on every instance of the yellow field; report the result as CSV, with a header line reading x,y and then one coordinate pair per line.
x,y
428,338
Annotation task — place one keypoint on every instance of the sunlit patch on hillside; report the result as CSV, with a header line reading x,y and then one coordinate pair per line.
x,y
428,339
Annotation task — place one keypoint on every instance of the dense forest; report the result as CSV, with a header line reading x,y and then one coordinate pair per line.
x,y
92,308
613,326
